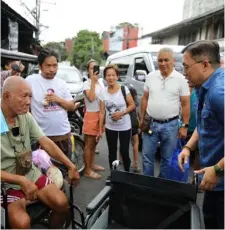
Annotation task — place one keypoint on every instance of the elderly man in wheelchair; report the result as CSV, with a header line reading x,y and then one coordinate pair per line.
x,y
24,182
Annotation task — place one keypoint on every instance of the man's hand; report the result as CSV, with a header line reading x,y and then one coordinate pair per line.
x,y
182,133
73,176
29,189
183,158
210,179
116,116
52,97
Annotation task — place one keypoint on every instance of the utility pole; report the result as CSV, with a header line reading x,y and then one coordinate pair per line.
x,y
127,39
38,12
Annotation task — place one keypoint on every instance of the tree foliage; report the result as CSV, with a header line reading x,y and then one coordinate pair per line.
x,y
86,45
59,47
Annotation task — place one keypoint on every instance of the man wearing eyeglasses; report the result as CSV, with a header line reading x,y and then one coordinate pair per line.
x,y
201,62
165,91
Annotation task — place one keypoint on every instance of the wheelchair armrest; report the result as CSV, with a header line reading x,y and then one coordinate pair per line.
x,y
195,217
98,200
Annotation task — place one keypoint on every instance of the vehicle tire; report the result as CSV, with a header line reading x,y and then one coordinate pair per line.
x,y
76,127
77,156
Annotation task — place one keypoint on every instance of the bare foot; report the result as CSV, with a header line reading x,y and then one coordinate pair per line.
x,y
96,167
92,175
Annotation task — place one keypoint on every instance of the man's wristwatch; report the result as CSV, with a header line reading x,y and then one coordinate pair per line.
x,y
218,171
184,125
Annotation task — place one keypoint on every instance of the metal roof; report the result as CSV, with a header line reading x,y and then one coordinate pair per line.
x,y
18,55
186,22
14,15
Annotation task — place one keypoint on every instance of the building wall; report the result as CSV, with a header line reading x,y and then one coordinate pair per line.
x,y
120,39
116,40
173,40
130,37
193,8
68,45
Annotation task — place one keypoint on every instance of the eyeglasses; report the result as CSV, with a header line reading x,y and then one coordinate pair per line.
x,y
186,67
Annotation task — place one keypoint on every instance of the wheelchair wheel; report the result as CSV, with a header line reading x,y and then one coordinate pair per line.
x,y
77,156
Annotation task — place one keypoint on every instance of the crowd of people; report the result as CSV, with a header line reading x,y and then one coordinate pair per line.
x,y
36,108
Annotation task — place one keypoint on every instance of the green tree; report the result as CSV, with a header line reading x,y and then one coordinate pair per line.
x,y
59,47
86,45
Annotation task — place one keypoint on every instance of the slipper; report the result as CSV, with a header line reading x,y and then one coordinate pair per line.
x,y
96,167
93,175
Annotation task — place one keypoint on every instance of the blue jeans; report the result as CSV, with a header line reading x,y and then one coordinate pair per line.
x,y
166,134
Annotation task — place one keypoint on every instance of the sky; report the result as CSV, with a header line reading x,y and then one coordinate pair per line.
x,y
64,18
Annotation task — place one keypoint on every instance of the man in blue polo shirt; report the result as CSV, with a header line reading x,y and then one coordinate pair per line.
x,y
201,62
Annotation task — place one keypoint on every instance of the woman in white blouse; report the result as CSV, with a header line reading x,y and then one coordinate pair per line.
x,y
115,111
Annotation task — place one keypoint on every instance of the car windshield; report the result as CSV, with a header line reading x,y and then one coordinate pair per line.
x,y
70,75
178,64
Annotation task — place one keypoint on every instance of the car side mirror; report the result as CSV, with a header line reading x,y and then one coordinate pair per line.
x,y
140,75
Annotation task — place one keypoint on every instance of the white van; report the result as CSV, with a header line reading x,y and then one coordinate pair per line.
x,y
136,63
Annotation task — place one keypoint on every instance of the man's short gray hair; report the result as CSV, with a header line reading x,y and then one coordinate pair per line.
x,y
166,50
204,49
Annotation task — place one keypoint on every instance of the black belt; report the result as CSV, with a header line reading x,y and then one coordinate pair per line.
x,y
165,121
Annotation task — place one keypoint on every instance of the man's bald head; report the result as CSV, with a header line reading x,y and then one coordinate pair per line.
x,y
14,83
16,95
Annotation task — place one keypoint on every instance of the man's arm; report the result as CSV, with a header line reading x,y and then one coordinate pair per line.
x,y
144,104
190,146
221,163
216,99
27,186
68,105
11,178
55,152
193,141
185,105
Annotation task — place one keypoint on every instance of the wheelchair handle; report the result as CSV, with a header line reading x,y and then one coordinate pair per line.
x,y
196,181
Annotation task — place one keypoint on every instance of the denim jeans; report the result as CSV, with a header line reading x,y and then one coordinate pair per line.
x,y
166,134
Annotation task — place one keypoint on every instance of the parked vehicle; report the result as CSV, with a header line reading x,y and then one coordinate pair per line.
x,y
72,76
28,60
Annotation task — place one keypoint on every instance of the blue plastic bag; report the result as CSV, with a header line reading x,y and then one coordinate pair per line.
x,y
4,126
174,172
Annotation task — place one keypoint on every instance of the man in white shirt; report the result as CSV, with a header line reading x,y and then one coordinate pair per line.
x,y
51,99
165,91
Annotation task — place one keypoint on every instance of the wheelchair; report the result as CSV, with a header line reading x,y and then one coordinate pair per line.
x,y
38,212
136,201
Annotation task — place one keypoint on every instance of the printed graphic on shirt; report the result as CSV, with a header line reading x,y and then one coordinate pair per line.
x,y
51,106
112,108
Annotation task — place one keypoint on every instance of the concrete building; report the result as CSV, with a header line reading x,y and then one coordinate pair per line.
x,y
208,25
193,8
68,45
121,38
17,33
